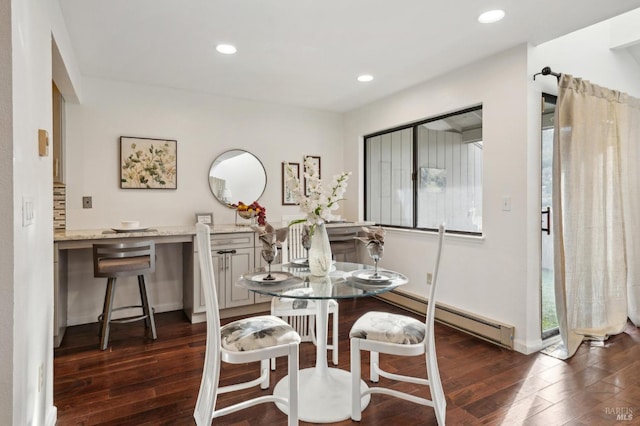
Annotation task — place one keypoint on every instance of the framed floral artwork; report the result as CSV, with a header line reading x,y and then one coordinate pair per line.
x,y
148,163
288,196
315,160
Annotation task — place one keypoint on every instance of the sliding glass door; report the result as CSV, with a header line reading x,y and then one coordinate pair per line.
x,y
549,320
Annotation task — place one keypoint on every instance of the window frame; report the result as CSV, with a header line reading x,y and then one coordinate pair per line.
x,y
415,167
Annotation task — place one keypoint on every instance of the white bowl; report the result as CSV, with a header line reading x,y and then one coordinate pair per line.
x,y
130,224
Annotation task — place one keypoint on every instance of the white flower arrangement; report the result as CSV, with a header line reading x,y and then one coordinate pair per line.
x,y
322,199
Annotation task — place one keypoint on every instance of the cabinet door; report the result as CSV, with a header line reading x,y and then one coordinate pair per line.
x,y
218,274
199,305
237,263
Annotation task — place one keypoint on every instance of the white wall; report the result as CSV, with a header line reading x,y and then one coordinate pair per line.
x,y
27,285
6,212
493,281
587,54
204,126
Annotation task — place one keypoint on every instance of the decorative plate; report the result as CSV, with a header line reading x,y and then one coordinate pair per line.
x,y
119,230
303,261
367,276
261,277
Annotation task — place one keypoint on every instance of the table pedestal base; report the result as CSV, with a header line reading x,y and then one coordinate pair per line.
x,y
324,395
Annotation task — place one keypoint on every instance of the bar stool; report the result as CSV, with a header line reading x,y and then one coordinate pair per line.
x,y
343,243
121,260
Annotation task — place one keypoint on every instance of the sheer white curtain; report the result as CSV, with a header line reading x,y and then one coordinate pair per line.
x,y
629,130
596,195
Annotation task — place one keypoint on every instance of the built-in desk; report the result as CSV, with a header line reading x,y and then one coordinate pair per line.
x,y
84,239
234,249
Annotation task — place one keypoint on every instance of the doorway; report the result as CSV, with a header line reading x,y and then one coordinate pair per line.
x,y
549,323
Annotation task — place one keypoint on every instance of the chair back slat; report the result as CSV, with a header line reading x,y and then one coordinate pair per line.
x,y
294,242
431,307
207,396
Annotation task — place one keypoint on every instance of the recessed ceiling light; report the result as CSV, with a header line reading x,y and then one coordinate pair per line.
x,y
227,49
364,78
491,16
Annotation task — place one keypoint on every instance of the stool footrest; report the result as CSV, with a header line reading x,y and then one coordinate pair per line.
x,y
127,319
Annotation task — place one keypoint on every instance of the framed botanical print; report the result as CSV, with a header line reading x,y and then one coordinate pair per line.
x,y
288,197
315,160
148,163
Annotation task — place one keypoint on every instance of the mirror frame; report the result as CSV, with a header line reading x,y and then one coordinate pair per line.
x,y
235,198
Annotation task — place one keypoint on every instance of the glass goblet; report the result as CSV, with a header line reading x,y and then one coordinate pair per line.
x,y
269,254
306,244
375,250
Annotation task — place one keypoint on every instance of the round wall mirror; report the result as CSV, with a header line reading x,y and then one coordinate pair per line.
x,y
237,175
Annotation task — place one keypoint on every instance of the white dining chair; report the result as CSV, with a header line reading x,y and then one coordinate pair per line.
x,y
382,332
295,248
239,342
301,314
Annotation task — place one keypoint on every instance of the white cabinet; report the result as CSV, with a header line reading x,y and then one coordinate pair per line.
x,y
233,255
229,265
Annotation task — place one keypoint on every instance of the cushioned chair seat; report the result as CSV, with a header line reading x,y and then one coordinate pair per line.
x,y
257,333
390,328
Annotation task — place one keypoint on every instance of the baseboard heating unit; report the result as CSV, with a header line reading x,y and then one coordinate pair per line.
x,y
483,328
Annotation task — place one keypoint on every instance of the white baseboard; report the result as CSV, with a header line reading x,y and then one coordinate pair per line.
x,y
484,328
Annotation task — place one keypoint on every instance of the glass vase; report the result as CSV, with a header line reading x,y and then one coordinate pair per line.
x,y
320,251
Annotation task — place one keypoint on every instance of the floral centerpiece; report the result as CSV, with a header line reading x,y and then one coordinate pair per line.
x,y
318,203
252,210
322,199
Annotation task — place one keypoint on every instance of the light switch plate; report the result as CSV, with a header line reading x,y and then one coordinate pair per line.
x,y
28,211
506,204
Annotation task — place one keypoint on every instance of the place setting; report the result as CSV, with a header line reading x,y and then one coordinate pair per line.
x,y
374,242
271,239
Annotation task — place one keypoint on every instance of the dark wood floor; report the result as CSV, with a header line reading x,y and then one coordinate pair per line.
x,y
139,382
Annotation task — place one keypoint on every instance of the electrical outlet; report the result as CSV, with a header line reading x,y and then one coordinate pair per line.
x,y
429,278
87,202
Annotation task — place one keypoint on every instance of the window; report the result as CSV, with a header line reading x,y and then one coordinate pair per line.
x,y
425,173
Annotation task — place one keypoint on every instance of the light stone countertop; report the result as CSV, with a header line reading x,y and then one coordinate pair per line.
x,y
167,231
154,231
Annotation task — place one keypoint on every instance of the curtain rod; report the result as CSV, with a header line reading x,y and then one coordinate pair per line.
x,y
547,71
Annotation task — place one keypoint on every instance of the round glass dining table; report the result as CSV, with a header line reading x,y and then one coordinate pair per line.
x,y
324,393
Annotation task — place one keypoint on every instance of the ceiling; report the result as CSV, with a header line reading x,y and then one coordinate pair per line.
x,y
307,52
